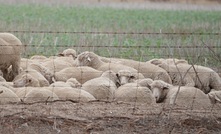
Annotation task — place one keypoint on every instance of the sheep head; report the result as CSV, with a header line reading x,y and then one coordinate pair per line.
x,y
159,89
69,52
145,82
87,59
74,83
111,75
125,76
25,81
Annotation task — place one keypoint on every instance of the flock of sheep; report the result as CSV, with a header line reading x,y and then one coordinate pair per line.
x,y
88,76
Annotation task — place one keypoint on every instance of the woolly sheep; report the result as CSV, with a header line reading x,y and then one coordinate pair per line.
x,y
82,74
92,60
34,94
215,96
135,92
68,93
168,61
1,77
125,76
9,85
10,49
178,76
69,52
39,95
21,78
7,96
103,87
26,81
43,70
55,65
204,77
38,58
148,70
188,97
72,82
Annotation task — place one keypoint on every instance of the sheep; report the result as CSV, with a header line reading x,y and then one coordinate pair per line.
x,y
26,81
214,96
188,97
73,94
136,92
178,76
168,61
43,70
93,60
35,94
28,78
39,95
10,49
69,52
72,82
125,76
103,87
8,85
203,77
147,69
38,58
82,74
59,63
7,96
1,77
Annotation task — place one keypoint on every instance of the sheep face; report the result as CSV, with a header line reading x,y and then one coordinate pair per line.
x,y
85,59
111,75
159,89
25,81
69,52
74,83
125,76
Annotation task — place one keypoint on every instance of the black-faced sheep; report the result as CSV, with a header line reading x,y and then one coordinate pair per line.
x,y
10,54
103,87
187,97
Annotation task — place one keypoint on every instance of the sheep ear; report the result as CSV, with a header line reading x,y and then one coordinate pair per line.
x,y
155,61
165,87
60,54
117,75
181,61
89,59
132,77
29,80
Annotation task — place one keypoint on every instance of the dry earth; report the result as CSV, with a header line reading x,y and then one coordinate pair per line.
x,y
106,118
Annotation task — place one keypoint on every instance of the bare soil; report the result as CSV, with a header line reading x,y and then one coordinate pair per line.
x,y
106,118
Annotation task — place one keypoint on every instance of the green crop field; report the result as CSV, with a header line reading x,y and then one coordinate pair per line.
x,y
65,22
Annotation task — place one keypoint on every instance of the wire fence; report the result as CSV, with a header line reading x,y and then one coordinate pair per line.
x,y
62,110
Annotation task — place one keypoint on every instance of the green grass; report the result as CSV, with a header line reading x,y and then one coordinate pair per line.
x,y
80,19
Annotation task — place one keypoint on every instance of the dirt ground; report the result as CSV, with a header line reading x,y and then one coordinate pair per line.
x,y
106,118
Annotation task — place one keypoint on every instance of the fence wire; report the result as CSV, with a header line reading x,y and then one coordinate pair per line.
x,y
138,113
